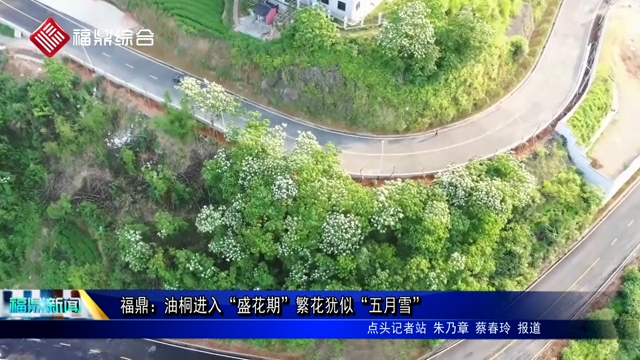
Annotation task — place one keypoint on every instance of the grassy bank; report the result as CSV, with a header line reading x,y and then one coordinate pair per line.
x,y
587,119
365,95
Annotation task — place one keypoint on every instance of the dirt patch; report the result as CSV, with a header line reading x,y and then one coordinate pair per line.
x,y
22,68
617,147
630,56
524,23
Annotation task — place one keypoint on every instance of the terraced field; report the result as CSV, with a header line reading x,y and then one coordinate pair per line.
x,y
196,16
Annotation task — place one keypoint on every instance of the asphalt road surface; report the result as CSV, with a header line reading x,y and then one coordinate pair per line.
x,y
531,107
66,349
586,268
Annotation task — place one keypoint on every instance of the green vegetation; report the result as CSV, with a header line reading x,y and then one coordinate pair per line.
x,y
594,108
146,210
464,61
623,310
194,16
6,30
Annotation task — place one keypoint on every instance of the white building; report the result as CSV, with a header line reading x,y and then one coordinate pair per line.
x,y
352,11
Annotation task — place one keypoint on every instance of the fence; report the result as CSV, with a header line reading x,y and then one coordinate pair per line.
x,y
365,23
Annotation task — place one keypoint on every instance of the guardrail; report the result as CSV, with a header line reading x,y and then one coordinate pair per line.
x,y
442,349
612,277
392,174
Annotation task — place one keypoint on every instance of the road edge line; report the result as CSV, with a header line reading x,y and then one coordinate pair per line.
x,y
583,237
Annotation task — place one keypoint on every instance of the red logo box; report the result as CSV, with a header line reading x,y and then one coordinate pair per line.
x,y
49,37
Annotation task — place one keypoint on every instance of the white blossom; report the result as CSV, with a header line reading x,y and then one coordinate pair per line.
x,y
232,218
200,265
456,183
228,247
410,34
208,97
341,234
209,219
290,243
284,188
305,146
457,261
135,252
436,279
298,276
221,161
437,212
387,214
171,285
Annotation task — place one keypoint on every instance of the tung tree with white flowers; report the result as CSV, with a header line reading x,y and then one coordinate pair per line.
x,y
409,35
208,97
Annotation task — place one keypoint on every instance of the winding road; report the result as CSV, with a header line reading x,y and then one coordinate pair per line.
x,y
527,110
516,118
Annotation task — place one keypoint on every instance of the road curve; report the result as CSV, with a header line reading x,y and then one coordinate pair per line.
x,y
93,349
590,263
527,110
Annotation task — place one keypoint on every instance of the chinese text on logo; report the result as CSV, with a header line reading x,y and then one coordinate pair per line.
x,y
106,37
49,37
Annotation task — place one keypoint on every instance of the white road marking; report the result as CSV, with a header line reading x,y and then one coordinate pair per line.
x,y
129,66
65,344
569,289
94,351
107,55
614,241
153,77
36,340
315,126
124,358
630,222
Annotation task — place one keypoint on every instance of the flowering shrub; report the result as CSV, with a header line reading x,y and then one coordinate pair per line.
x,y
341,234
228,247
135,252
209,219
387,214
409,34
208,97
284,188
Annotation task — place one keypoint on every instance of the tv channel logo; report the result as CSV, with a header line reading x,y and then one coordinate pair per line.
x,y
49,37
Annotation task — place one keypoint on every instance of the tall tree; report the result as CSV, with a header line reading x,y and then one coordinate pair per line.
x,y
210,98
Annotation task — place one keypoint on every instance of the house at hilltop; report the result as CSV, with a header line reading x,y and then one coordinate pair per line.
x,y
349,11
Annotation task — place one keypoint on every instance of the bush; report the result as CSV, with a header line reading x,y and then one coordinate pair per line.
x,y
518,48
596,105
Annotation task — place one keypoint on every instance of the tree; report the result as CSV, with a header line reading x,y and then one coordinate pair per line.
x,y
208,97
134,251
409,34
464,38
313,29
601,349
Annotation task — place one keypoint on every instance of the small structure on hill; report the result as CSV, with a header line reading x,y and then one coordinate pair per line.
x,y
265,12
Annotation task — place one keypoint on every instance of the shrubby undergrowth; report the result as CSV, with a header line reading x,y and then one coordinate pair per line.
x,y
432,62
624,311
151,214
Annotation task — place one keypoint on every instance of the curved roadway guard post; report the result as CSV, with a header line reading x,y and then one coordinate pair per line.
x,y
527,111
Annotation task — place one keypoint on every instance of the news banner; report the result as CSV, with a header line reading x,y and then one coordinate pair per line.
x,y
300,315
